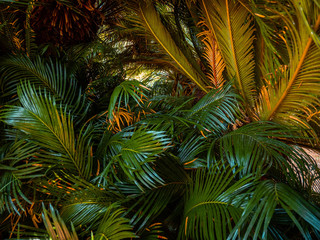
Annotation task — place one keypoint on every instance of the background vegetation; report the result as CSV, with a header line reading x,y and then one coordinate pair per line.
x,y
159,119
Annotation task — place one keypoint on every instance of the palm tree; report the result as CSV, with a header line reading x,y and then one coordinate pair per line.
x,y
262,47
135,163
99,176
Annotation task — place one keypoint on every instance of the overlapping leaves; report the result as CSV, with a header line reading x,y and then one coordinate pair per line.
x,y
51,128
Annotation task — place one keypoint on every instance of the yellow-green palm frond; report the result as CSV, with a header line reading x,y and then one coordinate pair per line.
x,y
233,30
308,13
149,19
294,97
214,59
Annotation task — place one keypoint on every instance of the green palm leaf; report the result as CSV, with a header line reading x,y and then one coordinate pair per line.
x,y
17,166
261,207
86,204
191,149
148,205
149,19
215,110
233,30
211,206
151,204
123,92
114,227
86,212
256,148
135,152
54,76
52,129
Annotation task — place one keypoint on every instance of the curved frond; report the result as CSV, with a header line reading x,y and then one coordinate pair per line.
x,y
214,59
148,205
215,110
258,212
86,203
114,227
212,204
17,166
256,148
52,75
294,98
52,129
150,20
152,203
86,212
123,93
190,149
135,152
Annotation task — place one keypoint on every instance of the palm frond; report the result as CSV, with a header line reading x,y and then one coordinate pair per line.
x,y
258,212
215,110
149,19
257,147
152,203
86,212
52,129
268,27
16,167
191,149
16,37
135,152
123,92
86,204
211,206
308,12
294,98
176,19
56,227
232,27
148,205
52,75
114,227
214,59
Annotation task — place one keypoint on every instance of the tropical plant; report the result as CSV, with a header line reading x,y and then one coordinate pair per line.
x,y
267,50
225,162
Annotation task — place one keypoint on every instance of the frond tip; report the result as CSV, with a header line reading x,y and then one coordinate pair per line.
x,y
214,58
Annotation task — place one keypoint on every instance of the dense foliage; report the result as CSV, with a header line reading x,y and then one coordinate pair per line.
x,y
176,120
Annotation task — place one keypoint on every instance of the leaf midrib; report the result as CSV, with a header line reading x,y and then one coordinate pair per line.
x,y
233,52
167,50
35,73
234,55
208,202
295,75
62,144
